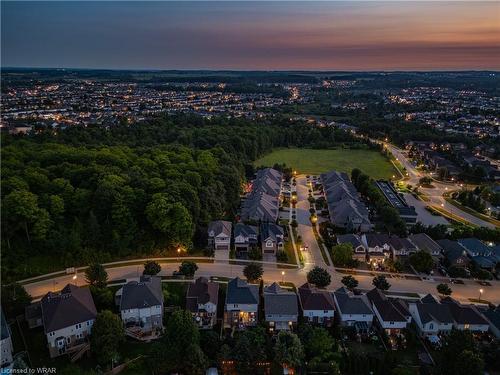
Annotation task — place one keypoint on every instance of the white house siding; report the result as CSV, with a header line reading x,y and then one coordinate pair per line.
x,y
6,345
320,315
242,307
350,319
145,315
72,333
222,242
472,327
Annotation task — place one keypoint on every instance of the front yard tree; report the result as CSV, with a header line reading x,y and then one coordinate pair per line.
x,y
342,254
288,350
350,282
422,261
107,335
444,289
253,272
188,268
151,268
380,282
96,275
319,277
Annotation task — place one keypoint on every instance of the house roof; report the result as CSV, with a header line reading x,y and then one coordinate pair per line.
x,y
353,239
423,242
239,291
262,203
312,298
279,301
452,249
201,291
244,230
493,315
220,226
463,314
434,312
70,306
474,246
271,231
350,304
145,293
399,243
385,307
484,262
376,239
429,298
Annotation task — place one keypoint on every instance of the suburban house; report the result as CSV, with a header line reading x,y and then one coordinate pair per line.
x,y
201,300
431,317
280,308
359,251
401,247
271,238
263,201
466,316
344,206
474,247
6,342
378,246
245,237
392,315
424,243
67,318
242,304
353,310
219,235
454,253
141,306
317,305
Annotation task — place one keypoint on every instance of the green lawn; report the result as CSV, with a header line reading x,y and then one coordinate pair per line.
x,y
311,161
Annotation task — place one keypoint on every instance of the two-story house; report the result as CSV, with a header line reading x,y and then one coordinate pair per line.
x,y
353,310
242,304
359,251
5,342
431,317
280,308
392,316
317,305
219,235
401,247
67,318
271,238
201,300
466,316
454,253
378,247
424,243
141,305
245,237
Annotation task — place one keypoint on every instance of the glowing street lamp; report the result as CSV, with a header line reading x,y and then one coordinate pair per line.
x,y
282,276
480,294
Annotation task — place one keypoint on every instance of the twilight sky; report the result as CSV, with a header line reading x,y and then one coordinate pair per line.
x,y
349,35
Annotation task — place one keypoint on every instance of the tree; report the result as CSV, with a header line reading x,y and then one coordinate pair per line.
x,y
319,277
151,268
319,346
380,282
444,289
253,272
469,363
103,297
460,355
107,335
288,350
425,181
422,261
342,254
188,268
350,282
249,349
96,275
14,299
179,349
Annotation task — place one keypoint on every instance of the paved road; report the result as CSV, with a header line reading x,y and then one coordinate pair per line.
x,y
424,216
298,276
436,194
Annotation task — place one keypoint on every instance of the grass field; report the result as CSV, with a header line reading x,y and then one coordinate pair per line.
x,y
311,161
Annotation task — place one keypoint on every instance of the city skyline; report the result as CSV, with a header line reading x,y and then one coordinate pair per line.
x,y
252,35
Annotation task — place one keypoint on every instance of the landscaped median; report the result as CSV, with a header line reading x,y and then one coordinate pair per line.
x,y
473,212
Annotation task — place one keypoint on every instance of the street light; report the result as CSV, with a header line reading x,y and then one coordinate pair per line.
x,y
480,294
282,277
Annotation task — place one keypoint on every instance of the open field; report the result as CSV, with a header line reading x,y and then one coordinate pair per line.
x,y
311,161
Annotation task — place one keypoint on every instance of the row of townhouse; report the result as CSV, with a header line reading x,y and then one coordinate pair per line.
x,y
375,248
270,236
263,202
344,206
406,212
